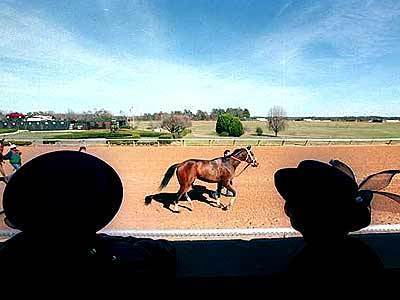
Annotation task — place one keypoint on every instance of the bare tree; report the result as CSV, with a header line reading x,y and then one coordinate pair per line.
x,y
277,119
176,123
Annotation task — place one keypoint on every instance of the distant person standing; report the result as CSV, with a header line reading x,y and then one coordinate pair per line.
x,y
14,156
4,178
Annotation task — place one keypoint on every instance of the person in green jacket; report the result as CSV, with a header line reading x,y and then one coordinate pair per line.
x,y
14,156
2,172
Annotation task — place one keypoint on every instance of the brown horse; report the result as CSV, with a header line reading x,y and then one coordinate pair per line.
x,y
220,170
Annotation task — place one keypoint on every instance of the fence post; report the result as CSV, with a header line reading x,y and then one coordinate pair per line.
x,y
390,142
234,142
258,142
209,143
305,144
283,141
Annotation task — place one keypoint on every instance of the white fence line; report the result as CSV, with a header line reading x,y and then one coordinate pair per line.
x,y
210,141
228,233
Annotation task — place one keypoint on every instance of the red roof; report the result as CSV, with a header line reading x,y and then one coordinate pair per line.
x,y
15,115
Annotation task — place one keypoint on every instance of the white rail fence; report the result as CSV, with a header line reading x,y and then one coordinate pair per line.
x,y
212,141
227,233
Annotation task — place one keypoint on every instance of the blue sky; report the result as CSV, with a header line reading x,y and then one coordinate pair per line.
x,y
311,57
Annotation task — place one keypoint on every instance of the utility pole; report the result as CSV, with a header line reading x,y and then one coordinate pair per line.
x,y
132,117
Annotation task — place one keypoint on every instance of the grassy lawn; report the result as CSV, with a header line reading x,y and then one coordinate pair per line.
x,y
77,134
206,129
6,130
320,129
301,129
343,129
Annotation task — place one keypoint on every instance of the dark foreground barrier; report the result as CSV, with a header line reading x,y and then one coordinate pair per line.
x,y
256,264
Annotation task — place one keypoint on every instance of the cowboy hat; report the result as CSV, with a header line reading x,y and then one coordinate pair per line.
x,y
12,146
316,180
62,191
316,188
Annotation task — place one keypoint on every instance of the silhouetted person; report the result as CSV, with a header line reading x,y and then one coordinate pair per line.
x,y
59,201
325,203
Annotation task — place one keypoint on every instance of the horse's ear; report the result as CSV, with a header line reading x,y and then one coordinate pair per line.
x,y
249,147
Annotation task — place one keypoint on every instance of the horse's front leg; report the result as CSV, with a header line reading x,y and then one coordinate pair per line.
x,y
229,187
218,193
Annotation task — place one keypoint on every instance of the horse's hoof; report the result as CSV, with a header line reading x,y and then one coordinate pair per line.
x,y
225,208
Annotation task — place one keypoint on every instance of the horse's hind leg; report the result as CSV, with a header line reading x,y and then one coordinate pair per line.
x,y
190,201
182,191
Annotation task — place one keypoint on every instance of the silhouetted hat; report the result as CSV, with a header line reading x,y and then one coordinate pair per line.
x,y
61,191
324,189
315,180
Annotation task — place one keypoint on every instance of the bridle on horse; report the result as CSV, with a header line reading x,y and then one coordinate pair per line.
x,y
249,154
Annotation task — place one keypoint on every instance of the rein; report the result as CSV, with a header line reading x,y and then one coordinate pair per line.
x,y
242,170
248,164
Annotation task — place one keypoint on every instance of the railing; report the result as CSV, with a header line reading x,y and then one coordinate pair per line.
x,y
213,141
227,233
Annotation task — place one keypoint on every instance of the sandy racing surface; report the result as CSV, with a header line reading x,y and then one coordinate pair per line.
x,y
257,204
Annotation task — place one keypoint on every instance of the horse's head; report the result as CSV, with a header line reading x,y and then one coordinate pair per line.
x,y
246,155
251,159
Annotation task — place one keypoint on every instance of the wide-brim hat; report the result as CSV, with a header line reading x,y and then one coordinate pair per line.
x,y
63,191
316,181
317,188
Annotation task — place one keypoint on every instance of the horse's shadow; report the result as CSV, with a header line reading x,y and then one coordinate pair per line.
x,y
198,193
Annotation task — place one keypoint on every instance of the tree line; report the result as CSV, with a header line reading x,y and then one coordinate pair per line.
x,y
199,115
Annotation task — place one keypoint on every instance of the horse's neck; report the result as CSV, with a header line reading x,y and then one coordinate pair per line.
x,y
235,163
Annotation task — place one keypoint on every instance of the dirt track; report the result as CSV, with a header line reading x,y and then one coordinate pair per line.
x,y
257,204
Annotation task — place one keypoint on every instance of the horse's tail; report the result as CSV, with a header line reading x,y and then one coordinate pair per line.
x,y
167,177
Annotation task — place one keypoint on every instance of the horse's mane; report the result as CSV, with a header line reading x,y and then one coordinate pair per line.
x,y
236,151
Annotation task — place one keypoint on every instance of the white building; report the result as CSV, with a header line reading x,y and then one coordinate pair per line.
x,y
39,118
